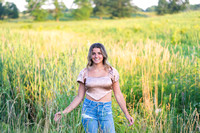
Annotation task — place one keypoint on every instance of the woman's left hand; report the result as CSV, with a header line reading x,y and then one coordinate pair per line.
x,y
130,119
57,117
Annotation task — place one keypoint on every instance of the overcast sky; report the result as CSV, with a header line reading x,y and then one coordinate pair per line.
x,y
140,3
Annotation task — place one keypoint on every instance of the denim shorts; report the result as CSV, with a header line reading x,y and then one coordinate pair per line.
x,y
97,116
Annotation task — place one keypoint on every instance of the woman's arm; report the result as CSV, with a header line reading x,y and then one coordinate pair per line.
x,y
121,101
77,100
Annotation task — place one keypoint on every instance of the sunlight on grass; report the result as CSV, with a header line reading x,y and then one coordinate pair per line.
x,y
157,59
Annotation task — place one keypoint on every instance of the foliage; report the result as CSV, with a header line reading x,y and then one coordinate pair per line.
x,y
136,9
34,8
151,9
39,14
83,11
101,8
117,8
2,11
175,6
59,9
8,10
120,8
34,4
171,6
194,7
162,7
11,9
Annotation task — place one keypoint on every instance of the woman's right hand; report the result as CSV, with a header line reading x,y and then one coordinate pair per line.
x,y
130,119
57,116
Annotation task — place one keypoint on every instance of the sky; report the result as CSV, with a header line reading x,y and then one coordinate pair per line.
x,y
140,3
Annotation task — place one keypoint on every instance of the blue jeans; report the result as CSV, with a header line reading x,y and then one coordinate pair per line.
x,y
97,115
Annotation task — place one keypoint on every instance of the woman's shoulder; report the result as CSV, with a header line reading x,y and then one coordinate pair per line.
x,y
84,71
112,70
113,74
82,75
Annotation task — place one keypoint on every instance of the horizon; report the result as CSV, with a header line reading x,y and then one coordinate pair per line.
x,y
143,4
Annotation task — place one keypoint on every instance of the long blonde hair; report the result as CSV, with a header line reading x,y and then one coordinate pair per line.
x,y
104,53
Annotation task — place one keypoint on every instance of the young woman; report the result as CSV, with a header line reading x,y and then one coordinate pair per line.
x,y
97,81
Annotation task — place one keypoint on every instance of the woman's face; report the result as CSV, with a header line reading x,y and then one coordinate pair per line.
x,y
97,56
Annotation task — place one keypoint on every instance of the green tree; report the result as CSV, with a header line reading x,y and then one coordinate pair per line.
x,y
8,10
101,8
120,8
171,6
162,7
2,11
39,14
84,9
176,6
59,8
11,10
34,8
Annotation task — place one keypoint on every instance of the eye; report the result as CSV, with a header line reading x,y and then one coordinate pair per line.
x,y
99,53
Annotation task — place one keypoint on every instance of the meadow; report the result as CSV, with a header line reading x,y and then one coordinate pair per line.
x,y
157,58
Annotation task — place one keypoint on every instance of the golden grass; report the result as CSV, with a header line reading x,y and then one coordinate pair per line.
x,y
157,59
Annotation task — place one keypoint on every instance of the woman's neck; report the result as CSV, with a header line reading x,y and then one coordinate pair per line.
x,y
98,66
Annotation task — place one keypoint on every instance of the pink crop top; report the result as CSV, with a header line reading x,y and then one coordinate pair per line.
x,y
98,87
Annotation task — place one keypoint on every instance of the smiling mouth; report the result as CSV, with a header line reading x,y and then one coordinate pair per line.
x,y
96,59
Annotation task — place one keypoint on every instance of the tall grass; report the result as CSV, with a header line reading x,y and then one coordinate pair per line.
x,y
157,59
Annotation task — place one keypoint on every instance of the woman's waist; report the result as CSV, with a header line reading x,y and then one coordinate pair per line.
x,y
104,100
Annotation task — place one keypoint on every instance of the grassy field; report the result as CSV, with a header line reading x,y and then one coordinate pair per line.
x,y
157,58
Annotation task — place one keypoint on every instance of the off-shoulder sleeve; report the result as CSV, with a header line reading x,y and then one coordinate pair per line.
x,y
82,76
114,75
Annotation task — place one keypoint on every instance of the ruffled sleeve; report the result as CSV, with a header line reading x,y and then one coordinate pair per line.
x,y
82,75
114,75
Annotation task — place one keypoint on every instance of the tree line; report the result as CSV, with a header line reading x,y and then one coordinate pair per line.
x,y
87,8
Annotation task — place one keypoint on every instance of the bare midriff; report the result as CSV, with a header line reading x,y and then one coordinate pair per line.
x,y
106,98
